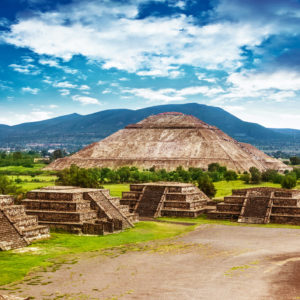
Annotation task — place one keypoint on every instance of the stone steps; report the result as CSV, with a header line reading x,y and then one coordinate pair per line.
x,y
51,205
63,216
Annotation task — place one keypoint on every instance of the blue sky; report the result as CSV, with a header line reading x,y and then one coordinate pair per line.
x,y
63,56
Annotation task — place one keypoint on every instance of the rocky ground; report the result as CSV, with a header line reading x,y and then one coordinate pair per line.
x,y
212,262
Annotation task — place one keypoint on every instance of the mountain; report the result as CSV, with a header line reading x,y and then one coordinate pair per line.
x,y
74,130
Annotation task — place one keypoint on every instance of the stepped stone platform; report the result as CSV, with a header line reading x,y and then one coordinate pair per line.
x,y
170,199
80,210
260,205
17,229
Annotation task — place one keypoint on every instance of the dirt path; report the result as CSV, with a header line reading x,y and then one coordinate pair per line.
x,y
212,262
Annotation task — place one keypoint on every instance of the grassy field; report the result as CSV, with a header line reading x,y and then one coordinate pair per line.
x,y
30,183
21,169
62,247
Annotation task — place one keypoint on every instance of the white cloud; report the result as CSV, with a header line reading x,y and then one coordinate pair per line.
x,y
101,82
28,69
64,92
55,64
53,106
84,87
123,79
30,90
108,33
169,95
31,116
65,84
86,100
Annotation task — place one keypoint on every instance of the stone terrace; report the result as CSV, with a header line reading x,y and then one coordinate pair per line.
x,y
165,199
80,210
17,229
260,205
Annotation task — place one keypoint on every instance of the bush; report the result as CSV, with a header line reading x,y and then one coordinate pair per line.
x,y
230,175
246,177
206,185
289,182
255,175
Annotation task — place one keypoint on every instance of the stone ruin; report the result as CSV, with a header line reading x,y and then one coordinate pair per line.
x,y
169,199
17,229
260,205
79,210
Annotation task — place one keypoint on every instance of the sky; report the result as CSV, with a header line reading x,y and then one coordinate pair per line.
x,y
58,57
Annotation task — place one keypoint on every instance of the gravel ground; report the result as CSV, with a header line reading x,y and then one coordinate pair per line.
x,y
212,262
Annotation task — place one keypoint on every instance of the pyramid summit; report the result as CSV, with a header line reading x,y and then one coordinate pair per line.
x,y
169,140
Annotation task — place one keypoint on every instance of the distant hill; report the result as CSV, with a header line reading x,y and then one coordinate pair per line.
x,y
74,130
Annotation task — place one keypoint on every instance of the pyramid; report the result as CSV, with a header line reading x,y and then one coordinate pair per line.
x,y
260,205
79,210
169,140
17,229
165,199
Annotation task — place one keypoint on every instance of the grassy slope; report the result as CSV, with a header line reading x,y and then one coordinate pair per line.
x,y
14,266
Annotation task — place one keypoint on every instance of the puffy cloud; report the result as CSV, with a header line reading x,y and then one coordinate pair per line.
x,y
109,33
169,95
55,64
28,69
86,100
30,90
65,84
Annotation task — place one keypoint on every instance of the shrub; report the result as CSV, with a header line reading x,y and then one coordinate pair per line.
x,y
206,185
289,182
255,175
230,175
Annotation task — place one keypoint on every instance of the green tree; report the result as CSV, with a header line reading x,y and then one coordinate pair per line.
x,y
295,160
206,185
255,175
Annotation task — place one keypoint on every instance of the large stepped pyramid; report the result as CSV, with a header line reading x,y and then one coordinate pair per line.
x,y
17,229
260,205
82,210
171,199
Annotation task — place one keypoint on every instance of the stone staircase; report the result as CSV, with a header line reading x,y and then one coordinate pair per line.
x,y
79,210
260,205
151,199
165,199
17,229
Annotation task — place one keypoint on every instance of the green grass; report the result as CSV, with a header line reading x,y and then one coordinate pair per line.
x,y
21,169
117,189
225,188
14,266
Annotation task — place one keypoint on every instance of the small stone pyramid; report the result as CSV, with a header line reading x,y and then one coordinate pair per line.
x,y
260,205
169,199
17,229
79,210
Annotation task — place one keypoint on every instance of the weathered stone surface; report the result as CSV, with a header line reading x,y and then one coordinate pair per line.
x,y
17,229
165,199
260,205
167,141
90,211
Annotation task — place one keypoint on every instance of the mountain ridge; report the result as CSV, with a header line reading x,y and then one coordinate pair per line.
x,y
75,130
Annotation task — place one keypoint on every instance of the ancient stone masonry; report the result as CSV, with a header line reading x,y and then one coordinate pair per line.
x,y
260,205
17,229
167,141
165,199
80,210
